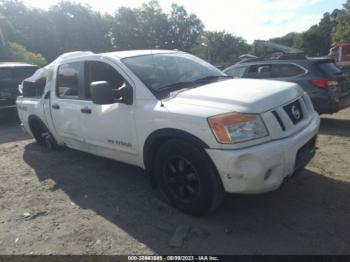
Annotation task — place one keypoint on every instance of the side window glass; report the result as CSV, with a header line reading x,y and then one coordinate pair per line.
x,y
68,80
260,71
236,72
99,71
287,70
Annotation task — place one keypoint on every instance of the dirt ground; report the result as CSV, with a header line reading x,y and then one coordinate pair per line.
x,y
68,202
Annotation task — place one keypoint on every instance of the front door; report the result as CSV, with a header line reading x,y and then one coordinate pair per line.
x,y
109,130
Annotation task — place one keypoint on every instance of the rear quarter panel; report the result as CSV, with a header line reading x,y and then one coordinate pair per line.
x,y
27,107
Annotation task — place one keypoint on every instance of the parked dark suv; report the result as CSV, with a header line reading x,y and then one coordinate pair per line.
x,y
11,75
327,85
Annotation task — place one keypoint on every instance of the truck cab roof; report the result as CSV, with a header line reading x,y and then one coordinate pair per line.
x,y
131,53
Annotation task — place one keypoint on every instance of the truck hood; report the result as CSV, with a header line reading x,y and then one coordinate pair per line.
x,y
241,95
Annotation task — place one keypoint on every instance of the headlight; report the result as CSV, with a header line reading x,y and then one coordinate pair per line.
x,y
233,128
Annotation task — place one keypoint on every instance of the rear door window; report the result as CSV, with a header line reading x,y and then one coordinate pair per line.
x,y
287,70
260,71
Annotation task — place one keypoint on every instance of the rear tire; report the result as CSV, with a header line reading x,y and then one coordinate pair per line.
x,y
43,136
187,177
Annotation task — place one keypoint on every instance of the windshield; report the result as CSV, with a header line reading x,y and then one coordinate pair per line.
x,y
168,72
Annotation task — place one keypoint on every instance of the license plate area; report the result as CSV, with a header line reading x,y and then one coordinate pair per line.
x,y
305,153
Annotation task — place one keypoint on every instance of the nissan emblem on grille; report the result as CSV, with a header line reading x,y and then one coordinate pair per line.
x,y
295,112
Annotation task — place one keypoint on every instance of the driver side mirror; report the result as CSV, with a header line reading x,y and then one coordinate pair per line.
x,y
103,94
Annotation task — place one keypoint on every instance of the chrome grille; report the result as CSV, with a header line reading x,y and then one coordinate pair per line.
x,y
289,118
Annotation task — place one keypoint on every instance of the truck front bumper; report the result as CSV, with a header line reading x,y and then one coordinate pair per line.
x,y
263,168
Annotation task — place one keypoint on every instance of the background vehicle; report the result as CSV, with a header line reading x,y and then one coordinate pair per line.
x,y
11,75
326,84
176,116
341,54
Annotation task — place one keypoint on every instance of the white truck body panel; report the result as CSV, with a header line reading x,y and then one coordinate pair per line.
x,y
241,166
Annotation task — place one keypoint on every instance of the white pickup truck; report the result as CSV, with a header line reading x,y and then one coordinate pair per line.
x,y
197,132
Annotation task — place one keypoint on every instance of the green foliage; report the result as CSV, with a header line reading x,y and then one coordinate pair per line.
x,y
149,27
17,52
74,26
64,27
341,32
291,39
317,40
70,26
184,28
220,47
140,28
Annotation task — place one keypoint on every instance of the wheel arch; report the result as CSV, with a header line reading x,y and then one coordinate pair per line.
x,y
34,119
155,139
36,124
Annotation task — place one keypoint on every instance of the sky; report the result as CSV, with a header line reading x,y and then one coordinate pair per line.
x,y
250,19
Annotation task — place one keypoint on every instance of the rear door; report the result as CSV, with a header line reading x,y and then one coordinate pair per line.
x,y
287,71
279,71
261,71
66,103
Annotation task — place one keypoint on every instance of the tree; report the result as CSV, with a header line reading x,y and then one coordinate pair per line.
x,y
316,40
291,39
341,32
64,27
77,27
149,27
140,28
17,52
184,28
220,47
69,26
26,26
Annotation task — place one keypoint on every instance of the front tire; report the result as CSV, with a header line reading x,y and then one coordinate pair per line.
x,y
188,178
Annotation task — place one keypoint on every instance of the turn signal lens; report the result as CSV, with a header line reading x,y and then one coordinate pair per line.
x,y
235,128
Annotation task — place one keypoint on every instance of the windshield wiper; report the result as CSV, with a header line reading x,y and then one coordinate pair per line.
x,y
189,84
209,78
176,86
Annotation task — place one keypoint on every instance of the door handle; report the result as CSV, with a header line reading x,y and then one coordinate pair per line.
x,y
56,106
85,110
